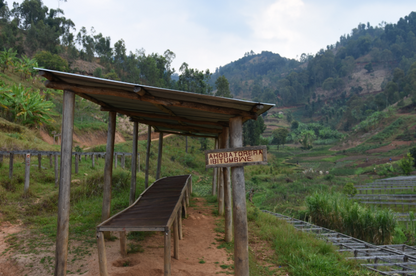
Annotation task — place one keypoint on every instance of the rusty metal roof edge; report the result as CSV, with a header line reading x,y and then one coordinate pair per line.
x,y
114,82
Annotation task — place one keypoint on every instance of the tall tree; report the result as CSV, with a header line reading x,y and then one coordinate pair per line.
x,y
193,80
223,87
252,129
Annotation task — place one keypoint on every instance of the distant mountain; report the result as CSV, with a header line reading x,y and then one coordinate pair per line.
x,y
377,64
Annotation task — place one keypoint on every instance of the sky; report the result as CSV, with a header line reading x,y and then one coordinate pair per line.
x,y
209,34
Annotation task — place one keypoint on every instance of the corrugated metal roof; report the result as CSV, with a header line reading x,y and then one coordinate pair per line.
x,y
164,117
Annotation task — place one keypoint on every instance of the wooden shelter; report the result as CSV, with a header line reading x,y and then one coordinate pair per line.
x,y
167,111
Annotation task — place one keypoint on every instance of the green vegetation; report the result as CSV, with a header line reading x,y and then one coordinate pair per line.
x,y
301,253
337,212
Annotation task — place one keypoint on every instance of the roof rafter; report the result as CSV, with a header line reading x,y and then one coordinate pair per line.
x,y
178,127
166,117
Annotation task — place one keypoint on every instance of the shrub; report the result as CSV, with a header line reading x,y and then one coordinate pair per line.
x,y
51,61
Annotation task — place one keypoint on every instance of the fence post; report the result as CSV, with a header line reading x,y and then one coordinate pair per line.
x,y
93,160
27,172
39,161
76,163
115,160
11,165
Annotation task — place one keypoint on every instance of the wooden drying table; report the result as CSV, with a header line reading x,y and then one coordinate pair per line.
x,y
157,209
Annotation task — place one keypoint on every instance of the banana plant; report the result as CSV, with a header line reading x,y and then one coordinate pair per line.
x,y
7,59
26,106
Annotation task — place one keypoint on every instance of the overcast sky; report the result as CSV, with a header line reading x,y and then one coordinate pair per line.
x,y
209,34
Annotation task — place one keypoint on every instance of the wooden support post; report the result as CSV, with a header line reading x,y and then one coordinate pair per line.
x,y
187,196
167,252
64,184
123,244
27,172
76,163
215,173
185,212
176,238
159,155
221,144
241,265
11,165
39,161
115,160
108,169
180,223
56,170
149,139
133,164
123,161
227,193
102,257
93,160
50,161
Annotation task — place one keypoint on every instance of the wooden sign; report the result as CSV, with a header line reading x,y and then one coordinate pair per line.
x,y
236,157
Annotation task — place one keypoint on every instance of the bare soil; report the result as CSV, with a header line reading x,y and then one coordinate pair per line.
x,y
198,252
390,147
85,140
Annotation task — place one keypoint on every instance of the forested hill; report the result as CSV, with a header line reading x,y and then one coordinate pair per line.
x,y
252,69
372,61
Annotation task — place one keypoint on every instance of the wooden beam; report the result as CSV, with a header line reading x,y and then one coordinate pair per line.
x,y
241,264
167,266
215,173
134,164
62,235
227,195
102,257
185,134
179,127
108,169
150,99
165,117
176,237
123,244
149,140
159,156
222,140
27,172
11,165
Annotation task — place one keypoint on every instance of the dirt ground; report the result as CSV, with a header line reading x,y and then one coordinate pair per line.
x,y
198,252
88,140
391,146
8,267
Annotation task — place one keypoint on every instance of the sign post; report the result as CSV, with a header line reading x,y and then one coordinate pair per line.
x,y
236,157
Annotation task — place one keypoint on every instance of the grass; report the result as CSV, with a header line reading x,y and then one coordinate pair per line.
x,y
300,252
336,211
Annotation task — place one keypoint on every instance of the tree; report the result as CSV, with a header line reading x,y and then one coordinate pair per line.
x,y
193,80
252,130
306,138
289,117
369,67
279,136
223,87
